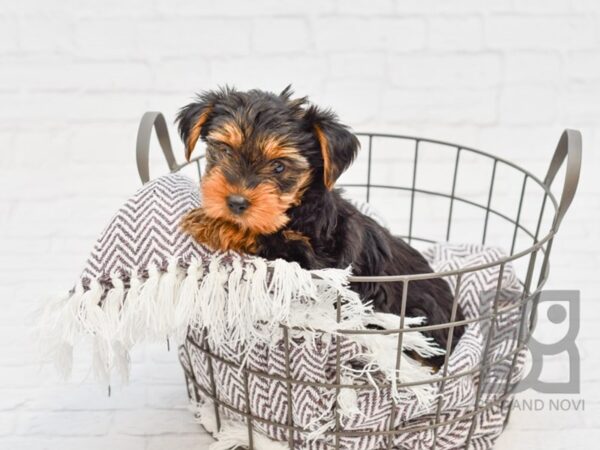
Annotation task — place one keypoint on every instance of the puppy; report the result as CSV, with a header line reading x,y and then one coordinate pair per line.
x,y
268,189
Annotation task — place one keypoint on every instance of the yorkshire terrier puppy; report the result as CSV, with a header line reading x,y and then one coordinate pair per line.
x,y
268,189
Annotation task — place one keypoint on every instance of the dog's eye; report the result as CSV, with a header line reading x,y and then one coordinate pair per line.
x,y
222,151
278,167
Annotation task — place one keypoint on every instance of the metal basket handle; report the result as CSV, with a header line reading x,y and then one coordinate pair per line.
x,y
152,120
569,148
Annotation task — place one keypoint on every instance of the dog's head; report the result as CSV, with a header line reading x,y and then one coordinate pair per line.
x,y
263,151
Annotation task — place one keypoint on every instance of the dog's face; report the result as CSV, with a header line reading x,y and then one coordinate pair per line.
x,y
263,151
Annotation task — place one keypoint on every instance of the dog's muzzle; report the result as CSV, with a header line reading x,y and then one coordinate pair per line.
x,y
237,204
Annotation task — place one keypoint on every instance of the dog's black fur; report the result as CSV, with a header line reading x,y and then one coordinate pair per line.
x,y
334,233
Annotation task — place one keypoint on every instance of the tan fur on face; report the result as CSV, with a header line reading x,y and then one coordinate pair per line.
x,y
274,147
228,133
215,226
266,213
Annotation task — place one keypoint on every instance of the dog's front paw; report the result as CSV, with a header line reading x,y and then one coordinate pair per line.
x,y
289,245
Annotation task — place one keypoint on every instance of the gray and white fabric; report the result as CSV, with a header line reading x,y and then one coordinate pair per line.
x,y
144,279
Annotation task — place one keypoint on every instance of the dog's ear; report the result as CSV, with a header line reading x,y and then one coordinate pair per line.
x,y
194,117
339,145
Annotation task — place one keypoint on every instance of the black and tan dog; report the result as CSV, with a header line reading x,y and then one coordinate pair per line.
x,y
271,165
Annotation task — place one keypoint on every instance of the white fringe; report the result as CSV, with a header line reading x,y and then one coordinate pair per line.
x,y
240,300
132,316
381,346
347,400
233,433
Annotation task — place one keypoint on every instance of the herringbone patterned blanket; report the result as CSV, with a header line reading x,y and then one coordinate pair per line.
x,y
144,279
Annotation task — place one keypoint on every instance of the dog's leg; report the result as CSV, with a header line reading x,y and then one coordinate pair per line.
x,y
291,246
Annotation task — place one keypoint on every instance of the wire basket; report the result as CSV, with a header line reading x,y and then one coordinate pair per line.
x,y
432,191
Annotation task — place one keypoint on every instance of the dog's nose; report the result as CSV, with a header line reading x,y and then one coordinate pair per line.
x,y
237,204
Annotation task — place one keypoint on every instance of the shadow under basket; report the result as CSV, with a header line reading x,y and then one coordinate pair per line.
x,y
296,393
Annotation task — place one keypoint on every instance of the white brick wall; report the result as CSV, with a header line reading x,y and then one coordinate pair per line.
x,y
75,76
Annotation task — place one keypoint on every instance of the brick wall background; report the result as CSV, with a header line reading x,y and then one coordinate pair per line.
x,y
75,77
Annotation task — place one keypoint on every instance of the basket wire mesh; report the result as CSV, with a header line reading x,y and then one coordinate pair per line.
x,y
534,258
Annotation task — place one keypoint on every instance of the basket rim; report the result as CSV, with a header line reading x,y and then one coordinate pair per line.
x,y
538,245
568,148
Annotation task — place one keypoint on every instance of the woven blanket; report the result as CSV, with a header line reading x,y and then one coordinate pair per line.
x,y
146,280
370,410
